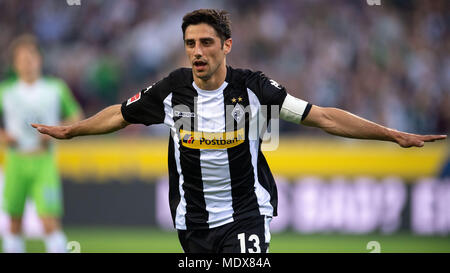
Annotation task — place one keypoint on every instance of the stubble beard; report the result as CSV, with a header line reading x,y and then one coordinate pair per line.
x,y
210,74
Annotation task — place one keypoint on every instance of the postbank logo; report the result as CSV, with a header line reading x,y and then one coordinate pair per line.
x,y
206,140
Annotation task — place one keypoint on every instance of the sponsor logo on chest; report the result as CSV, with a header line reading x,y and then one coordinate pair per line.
x,y
207,140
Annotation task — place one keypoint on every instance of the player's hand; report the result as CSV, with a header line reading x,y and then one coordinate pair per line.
x,y
407,140
58,132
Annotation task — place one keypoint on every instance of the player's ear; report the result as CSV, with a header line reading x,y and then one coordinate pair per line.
x,y
227,45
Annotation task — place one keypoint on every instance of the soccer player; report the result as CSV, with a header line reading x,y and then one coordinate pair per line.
x,y
222,194
30,167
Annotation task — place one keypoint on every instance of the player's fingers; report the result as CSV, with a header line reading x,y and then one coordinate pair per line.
x,y
431,138
39,127
42,129
415,143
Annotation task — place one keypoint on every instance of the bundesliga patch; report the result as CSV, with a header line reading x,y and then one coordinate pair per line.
x,y
134,98
206,140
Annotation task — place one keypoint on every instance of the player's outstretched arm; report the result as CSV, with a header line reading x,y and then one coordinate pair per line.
x,y
106,121
342,123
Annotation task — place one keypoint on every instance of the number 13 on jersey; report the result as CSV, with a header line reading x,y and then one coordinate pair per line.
x,y
253,239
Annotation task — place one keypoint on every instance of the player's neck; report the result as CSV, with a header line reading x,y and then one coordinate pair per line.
x,y
215,81
31,79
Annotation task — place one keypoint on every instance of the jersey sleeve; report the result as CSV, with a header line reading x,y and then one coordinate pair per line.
x,y
147,106
69,105
268,91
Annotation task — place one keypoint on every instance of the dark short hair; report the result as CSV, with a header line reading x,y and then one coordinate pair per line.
x,y
218,19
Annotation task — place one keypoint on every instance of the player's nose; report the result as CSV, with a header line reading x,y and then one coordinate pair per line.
x,y
198,53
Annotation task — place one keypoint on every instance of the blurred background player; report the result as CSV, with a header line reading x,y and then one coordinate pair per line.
x,y
30,166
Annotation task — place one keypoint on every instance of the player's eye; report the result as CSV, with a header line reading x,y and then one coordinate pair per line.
x,y
190,43
207,42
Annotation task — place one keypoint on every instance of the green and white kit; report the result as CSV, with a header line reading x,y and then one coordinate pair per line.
x,y
28,172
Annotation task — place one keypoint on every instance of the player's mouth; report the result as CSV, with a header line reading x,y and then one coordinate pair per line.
x,y
200,65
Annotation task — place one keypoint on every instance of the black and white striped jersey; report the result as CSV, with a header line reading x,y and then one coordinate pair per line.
x,y
217,172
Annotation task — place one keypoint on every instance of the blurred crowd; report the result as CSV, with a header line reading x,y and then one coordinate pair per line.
x,y
389,63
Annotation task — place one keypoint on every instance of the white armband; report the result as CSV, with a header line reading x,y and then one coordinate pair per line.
x,y
293,109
